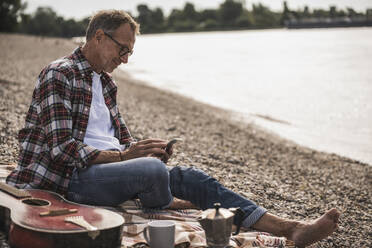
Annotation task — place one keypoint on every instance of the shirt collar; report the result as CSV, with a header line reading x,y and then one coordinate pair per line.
x,y
82,62
85,68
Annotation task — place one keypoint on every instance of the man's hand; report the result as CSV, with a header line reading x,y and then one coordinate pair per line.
x,y
147,148
169,148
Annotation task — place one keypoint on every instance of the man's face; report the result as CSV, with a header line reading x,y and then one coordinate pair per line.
x,y
116,48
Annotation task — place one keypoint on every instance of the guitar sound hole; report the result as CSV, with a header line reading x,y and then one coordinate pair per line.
x,y
36,202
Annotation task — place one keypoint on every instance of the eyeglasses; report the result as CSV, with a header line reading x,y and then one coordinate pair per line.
x,y
124,50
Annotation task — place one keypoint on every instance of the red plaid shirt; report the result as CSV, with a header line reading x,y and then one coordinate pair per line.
x,y
51,143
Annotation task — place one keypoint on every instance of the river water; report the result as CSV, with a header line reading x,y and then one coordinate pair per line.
x,y
312,86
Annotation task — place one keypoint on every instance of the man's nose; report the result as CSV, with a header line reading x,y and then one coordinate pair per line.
x,y
124,59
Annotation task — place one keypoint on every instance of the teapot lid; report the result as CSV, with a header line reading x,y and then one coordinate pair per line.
x,y
217,213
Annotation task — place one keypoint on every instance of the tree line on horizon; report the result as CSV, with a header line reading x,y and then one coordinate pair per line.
x,y
230,15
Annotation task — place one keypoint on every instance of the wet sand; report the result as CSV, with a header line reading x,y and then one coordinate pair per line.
x,y
287,179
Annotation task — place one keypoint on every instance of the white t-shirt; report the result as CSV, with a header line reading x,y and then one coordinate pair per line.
x,y
100,132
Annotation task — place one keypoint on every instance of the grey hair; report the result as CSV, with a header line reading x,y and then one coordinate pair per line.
x,y
109,21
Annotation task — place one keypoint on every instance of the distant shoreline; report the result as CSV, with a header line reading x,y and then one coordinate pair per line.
x,y
251,119
328,23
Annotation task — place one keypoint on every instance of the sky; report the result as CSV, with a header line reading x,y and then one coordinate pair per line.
x,y
79,9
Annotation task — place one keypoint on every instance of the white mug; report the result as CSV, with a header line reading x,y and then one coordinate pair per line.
x,y
160,234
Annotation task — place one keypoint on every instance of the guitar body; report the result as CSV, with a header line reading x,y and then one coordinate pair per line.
x,y
29,225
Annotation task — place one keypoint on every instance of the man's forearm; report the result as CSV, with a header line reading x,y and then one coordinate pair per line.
x,y
144,148
107,157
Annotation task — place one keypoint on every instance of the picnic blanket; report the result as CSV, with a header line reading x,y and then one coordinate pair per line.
x,y
189,232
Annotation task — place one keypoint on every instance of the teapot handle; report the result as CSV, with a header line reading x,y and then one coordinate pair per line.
x,y
239,214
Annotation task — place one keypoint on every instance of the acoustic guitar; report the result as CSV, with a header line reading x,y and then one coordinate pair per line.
x,y
43,219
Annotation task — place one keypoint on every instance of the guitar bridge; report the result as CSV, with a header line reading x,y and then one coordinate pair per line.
x,y
57,212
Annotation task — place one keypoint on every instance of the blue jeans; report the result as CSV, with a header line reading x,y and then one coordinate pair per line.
x,y
154,184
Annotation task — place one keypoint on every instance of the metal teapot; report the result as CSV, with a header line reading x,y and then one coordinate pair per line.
x,y
217,224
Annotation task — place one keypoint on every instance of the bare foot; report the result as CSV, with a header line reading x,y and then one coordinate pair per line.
x,y
305,234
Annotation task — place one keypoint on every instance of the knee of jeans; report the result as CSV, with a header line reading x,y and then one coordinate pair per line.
x,y
189,176
157,170
193,174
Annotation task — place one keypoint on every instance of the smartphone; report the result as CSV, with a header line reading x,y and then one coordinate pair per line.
x,y
171,143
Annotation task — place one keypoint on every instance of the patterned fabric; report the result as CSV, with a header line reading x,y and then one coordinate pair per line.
x,y
51,143
189,233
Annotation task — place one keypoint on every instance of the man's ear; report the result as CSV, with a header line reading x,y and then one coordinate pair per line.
x,y
99,35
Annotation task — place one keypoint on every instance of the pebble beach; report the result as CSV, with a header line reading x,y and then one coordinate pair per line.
x,y
289,180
